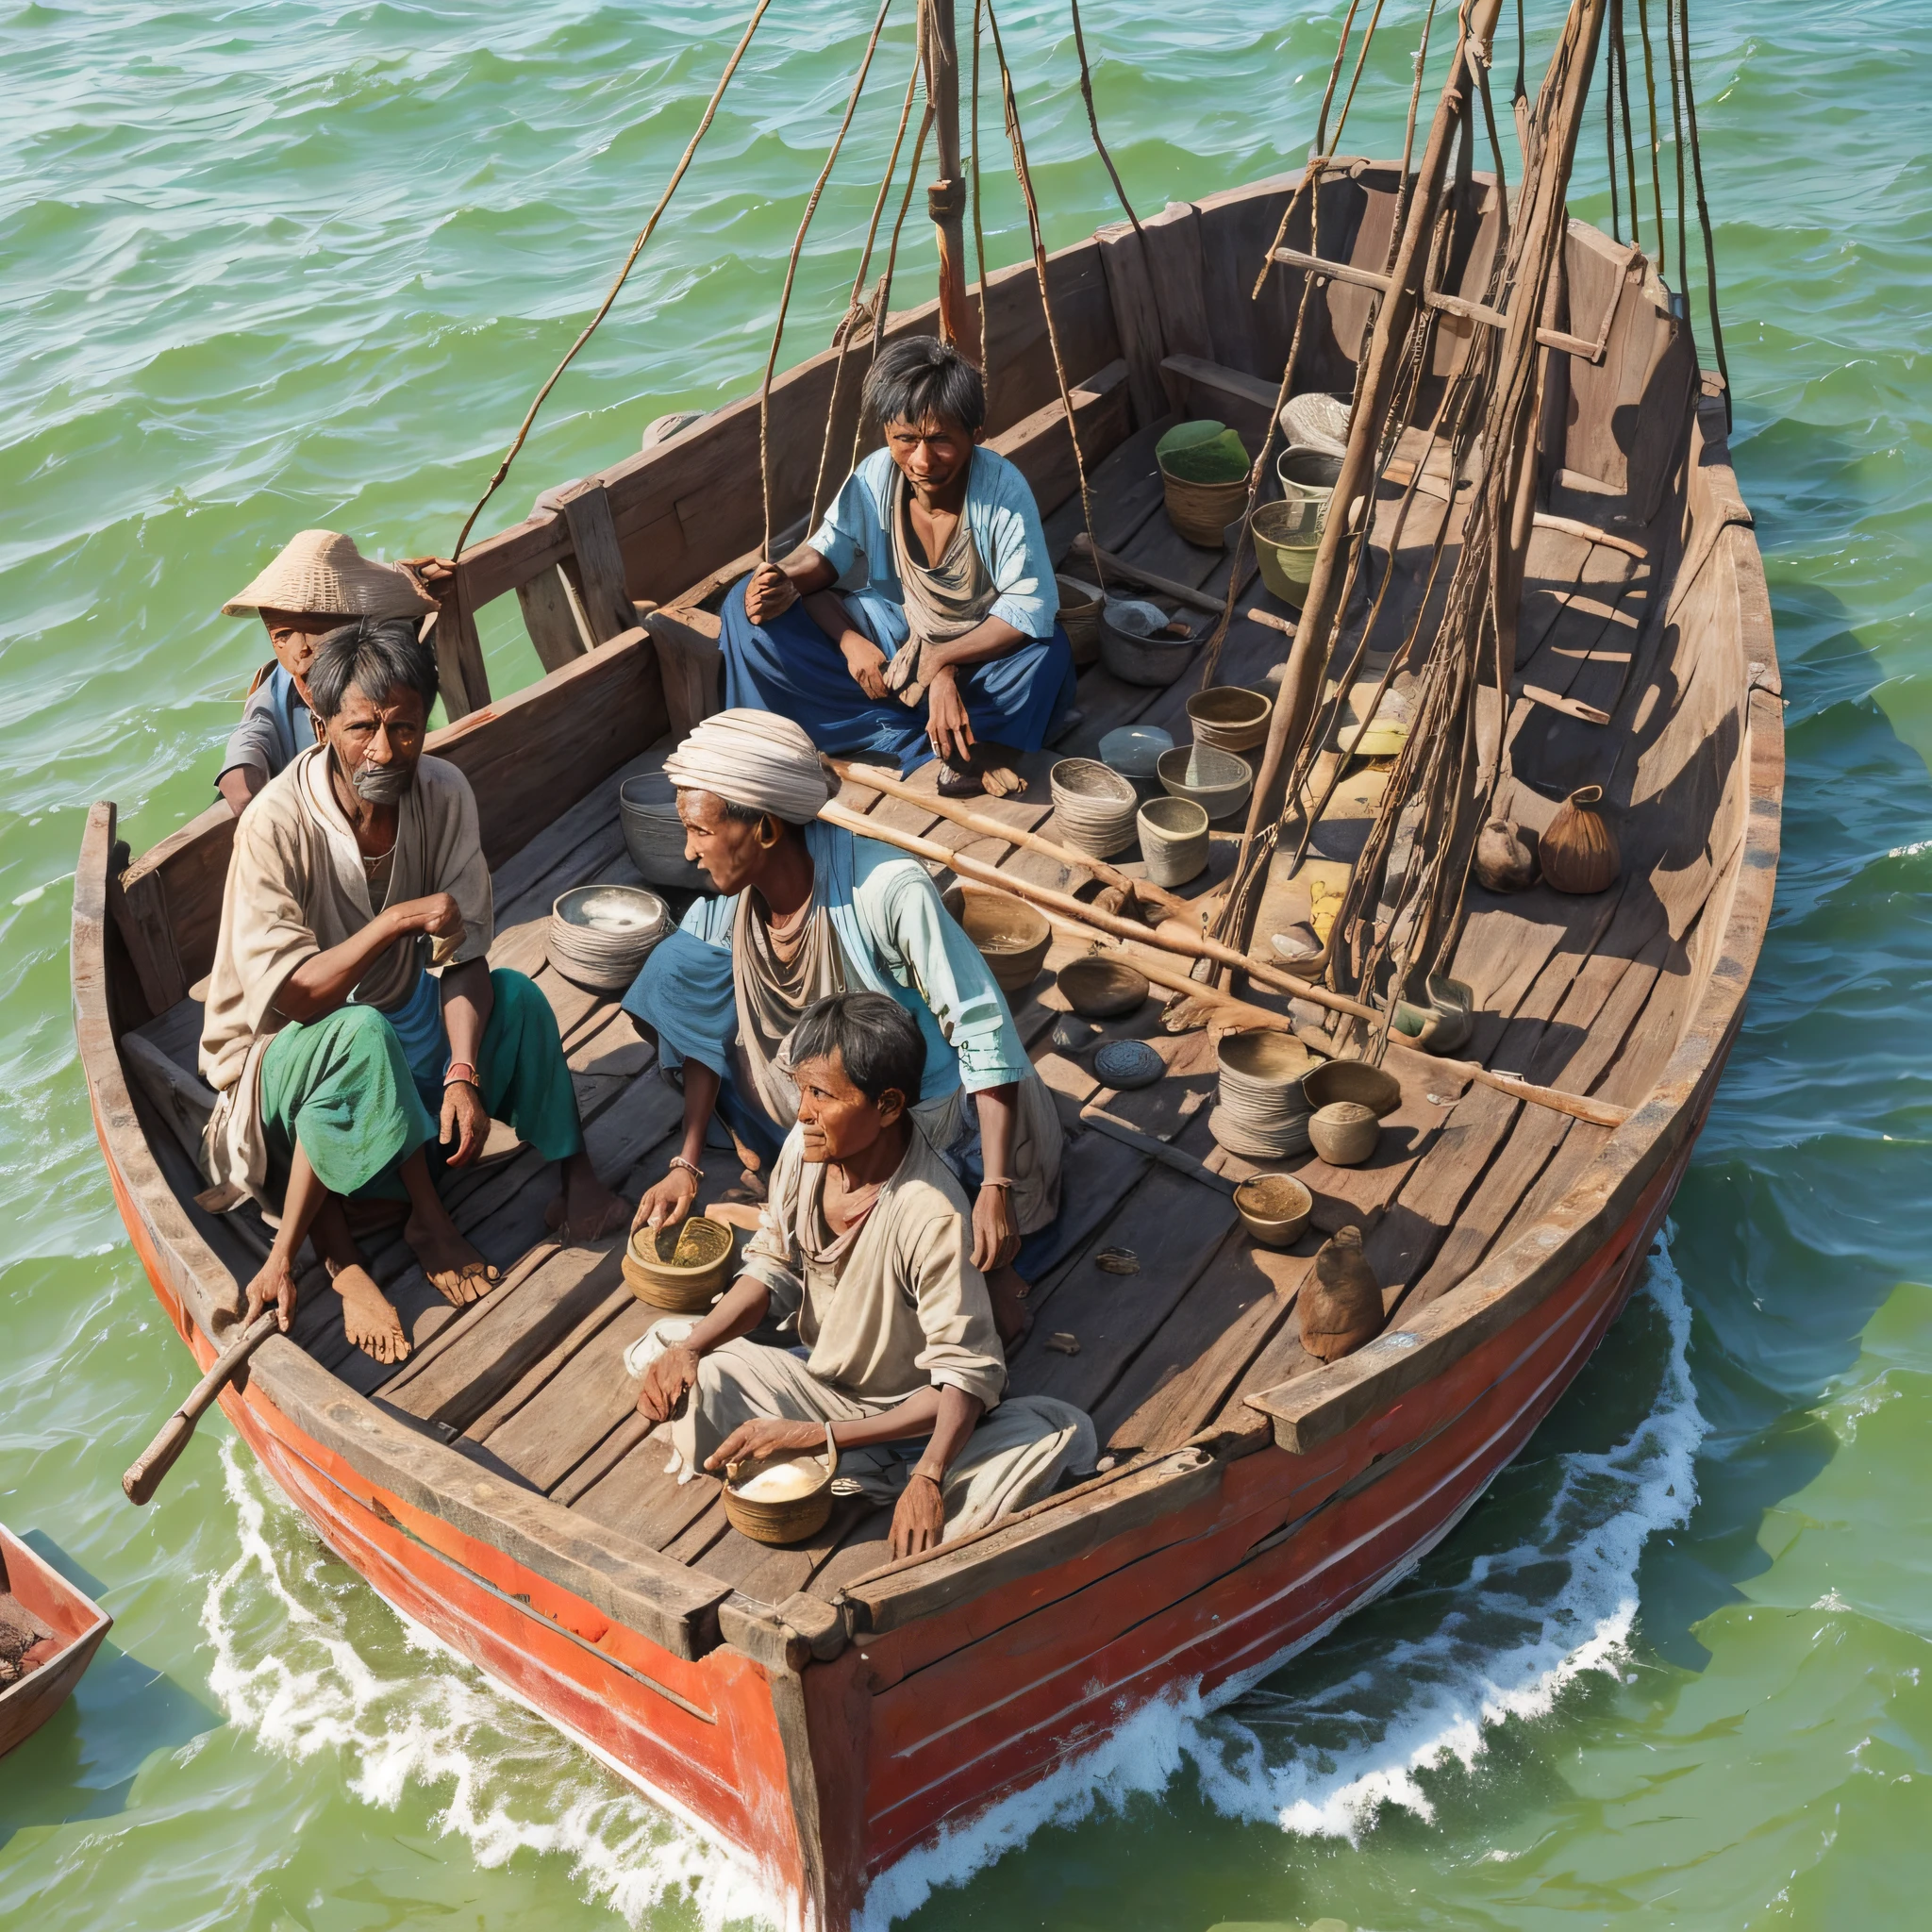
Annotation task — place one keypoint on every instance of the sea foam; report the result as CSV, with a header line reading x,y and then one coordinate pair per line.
x,y
1506,1639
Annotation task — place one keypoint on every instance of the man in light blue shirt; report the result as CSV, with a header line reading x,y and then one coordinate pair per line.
x,y
319,583
920,620
805,910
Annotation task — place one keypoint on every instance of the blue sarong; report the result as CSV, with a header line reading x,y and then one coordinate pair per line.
x,y
792,667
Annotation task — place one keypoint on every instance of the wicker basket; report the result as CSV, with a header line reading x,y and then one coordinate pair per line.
x,y
681,1287
782,1519
1201,512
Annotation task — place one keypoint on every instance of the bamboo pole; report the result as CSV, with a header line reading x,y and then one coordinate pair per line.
x,y
1301,683
875,780
1598,1112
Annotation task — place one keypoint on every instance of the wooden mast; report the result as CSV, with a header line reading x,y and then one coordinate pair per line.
x,y
945,198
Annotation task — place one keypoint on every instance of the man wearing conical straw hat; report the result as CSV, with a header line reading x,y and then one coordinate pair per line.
x,y
318,583
805,910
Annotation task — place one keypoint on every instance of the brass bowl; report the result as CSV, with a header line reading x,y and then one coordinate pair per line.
x,y
800,1498
679,1268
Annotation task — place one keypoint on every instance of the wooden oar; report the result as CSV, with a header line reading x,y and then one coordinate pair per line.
x,y
875,780
144,1474
1598,1112
1166,586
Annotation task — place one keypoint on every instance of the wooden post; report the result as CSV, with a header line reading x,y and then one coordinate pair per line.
x,y
1301,683
945,198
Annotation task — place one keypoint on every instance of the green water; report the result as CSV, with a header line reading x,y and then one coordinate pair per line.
x,y
264,267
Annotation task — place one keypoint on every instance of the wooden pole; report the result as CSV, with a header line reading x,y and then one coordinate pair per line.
x,y
945,198
1601,1113
145,1473
1301,683
877,780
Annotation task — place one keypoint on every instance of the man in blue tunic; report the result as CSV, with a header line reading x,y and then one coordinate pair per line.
x,y
919,621
319,583
806,911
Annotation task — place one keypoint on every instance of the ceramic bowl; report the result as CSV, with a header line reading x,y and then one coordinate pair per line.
x,y
1273,1207
1126,1064
1101,988
1012,936
1375,1087
1344,1132
1216,780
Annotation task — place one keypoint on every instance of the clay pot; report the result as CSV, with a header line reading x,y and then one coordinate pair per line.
x,y
1504,862
1579,851
1341,1304
1344,1132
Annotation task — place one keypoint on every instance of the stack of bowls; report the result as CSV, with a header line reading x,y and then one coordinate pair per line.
x,y
1093,807
1174,840
1263,1114
1216,780
1230,717
654,834
683,1268
600,935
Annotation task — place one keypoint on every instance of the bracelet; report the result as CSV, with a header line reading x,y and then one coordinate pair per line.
x,y
919,1468
697,1174
996,1181
459,1070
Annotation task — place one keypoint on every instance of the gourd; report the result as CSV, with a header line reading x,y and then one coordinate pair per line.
x,y
1579,851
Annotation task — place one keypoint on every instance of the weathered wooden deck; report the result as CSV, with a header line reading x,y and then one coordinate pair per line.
x,y
1585,993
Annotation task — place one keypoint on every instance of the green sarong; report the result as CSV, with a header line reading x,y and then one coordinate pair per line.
x,y
342,1087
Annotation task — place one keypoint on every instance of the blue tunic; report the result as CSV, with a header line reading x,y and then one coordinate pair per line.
x,y
792,667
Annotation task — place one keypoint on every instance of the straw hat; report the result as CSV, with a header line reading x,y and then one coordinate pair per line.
x,y
319,570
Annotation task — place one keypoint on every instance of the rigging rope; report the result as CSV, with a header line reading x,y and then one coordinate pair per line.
x,y
1656,175
978,223
1717,333
1622,53
1093,121
811,207
637,248
1672,9
1017,143
882,296
856,309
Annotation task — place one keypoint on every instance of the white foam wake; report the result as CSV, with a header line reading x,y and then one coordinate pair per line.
x,y
1499,1645
311,1667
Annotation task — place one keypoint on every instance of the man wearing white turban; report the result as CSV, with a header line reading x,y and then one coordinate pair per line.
x,y
805,910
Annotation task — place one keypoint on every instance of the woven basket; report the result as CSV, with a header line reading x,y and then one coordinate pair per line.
x,y
657,1276
1201,512
782,1520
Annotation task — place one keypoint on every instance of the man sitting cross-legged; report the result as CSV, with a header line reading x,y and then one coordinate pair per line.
x,y
865,1243
339,1062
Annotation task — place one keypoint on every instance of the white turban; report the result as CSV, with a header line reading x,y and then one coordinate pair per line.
x,y
755,759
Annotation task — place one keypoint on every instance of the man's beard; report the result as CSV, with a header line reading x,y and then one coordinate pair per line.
x,y
383,784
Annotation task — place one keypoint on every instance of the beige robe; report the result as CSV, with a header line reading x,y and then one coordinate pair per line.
x,y
891,1308
296,887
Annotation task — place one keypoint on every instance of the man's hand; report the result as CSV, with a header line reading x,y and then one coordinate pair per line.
x,y
669,1202
436,915
765,1436
947,726
274,1285
996,1230
771,594
866,662
466,1119
666,1382
919,1520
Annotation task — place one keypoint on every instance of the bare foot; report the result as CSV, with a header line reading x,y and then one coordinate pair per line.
x,y
586,1211
455,1270
369,1318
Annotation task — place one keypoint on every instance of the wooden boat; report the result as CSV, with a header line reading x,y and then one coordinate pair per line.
x,y
825,1709
34,1594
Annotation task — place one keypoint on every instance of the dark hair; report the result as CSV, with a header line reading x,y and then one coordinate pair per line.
x,y
923,377
876,1038
376,655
